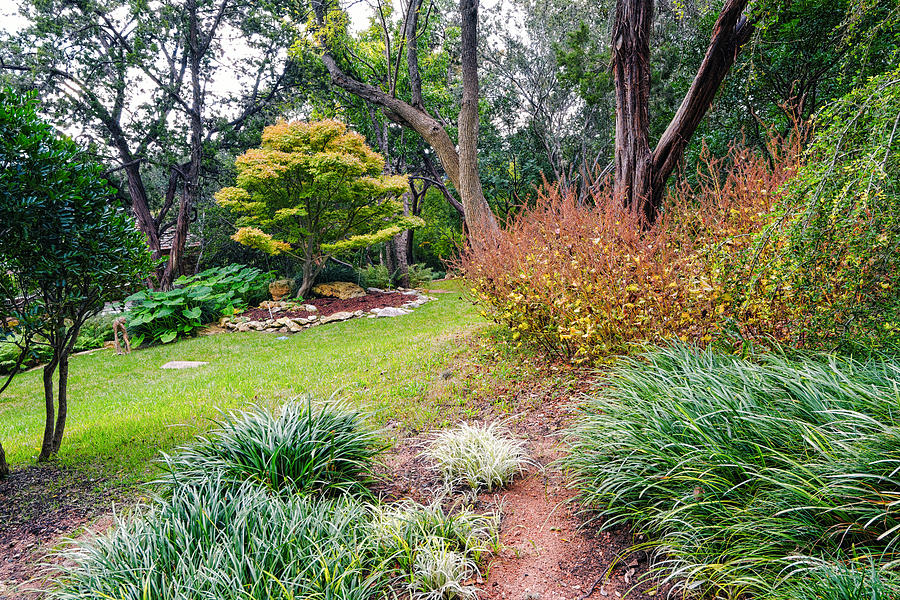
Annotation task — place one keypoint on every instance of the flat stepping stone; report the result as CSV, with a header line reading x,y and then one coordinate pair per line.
x,y
183,364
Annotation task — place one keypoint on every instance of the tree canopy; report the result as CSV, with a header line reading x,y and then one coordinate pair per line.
x,y
313,190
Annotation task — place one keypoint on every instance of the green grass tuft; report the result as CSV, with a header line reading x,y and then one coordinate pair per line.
x,y
307,447
747,476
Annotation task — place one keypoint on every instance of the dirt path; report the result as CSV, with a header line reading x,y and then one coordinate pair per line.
x,y
547,553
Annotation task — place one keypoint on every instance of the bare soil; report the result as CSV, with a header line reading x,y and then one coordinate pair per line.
x,y
40,506
549,549
329,306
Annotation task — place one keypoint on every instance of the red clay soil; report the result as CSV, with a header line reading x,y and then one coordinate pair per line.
x,y
549,553
329,306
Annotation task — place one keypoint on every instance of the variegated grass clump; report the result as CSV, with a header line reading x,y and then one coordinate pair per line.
x,y
435,550
480,456
308,446
213,539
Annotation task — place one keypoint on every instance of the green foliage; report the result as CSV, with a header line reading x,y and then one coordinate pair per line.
x,y
375,276
312,190
214,540
65,243
309,447
419,275
441,238
749,478
826,272
200,299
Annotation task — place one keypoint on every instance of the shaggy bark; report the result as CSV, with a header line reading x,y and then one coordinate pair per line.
x,y
631,71
641,175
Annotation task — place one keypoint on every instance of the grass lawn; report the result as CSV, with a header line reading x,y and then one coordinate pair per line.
x,y
124,410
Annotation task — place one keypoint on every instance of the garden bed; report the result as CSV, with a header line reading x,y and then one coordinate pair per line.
x,y
290,316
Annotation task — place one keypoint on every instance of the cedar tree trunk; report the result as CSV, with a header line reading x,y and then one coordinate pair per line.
x,y
641,176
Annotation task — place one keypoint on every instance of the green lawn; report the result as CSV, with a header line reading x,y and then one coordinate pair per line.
x,y
123,410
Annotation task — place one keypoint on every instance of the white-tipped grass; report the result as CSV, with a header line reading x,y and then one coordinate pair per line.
x,y
479,456
436,551
236,520
440,573
308,446
218,540
748,476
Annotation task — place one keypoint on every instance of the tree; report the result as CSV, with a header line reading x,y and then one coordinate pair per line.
x,y
460,163
65,244
143,82
641,174
314,190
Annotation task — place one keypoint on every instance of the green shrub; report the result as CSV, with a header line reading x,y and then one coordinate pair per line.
x,y
746,476
196,301
826,272
376,276
215,540
307,447
419,275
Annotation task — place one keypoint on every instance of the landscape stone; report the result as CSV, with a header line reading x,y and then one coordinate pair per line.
x,y
390,311
183,364
338,316
343,290
310,308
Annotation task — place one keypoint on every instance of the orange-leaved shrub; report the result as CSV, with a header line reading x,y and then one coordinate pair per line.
x,y
581,277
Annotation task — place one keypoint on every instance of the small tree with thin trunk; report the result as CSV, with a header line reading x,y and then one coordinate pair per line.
x,y
314,190
65,244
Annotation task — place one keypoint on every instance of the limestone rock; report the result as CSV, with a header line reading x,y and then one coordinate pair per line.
x,y
280,288
184,364
390,311
310,308
338,316
339,289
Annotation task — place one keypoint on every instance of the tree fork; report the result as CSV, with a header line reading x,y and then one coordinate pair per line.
x,y
641,175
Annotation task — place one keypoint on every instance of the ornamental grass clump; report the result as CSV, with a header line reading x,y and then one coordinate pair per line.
x,y
307,447
479,456
216,540
747,476
433,551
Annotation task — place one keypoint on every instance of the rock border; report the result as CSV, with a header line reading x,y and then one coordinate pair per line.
x,y
298,324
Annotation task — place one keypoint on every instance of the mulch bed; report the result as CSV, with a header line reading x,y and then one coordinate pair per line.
x,y
39,505
329,306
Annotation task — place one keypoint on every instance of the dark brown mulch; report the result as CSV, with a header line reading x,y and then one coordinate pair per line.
x,y
39,505
329,306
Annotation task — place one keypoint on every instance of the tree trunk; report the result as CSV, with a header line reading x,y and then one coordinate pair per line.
x,y
479,216
192,184
731,31
641,176
631,70
4,466
50,406
466,181
61,402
